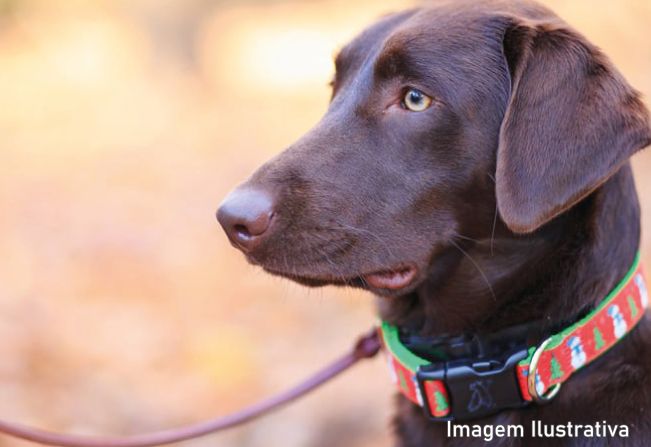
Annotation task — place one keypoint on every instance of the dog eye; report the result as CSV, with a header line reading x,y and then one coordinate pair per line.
x,y
416,101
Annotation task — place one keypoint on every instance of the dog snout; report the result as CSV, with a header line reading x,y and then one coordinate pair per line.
x,y
246,216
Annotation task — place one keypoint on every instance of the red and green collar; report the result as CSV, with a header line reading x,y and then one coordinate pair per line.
x,y
469,388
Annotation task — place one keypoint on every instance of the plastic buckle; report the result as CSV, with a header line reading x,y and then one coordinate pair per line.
x,y
476,388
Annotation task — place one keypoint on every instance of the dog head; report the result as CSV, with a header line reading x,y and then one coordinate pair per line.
x,y
451,121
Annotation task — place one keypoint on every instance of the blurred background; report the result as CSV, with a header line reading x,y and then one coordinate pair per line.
x,y
123,123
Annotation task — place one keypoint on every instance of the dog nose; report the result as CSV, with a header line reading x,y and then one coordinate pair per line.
x,y
246,215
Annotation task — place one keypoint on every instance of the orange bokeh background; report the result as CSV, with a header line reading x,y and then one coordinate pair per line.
x,y
123,124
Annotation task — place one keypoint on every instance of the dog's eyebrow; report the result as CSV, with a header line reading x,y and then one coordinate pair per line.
x,y
394,60
342,61
341,58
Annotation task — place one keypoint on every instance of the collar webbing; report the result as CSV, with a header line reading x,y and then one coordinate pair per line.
x,y
473,392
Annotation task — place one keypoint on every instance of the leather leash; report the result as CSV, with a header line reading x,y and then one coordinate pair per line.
x,y
366,347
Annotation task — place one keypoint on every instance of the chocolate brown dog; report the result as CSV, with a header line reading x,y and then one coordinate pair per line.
x,y
472,171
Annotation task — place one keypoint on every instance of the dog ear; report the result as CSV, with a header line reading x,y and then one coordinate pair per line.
x,y
571,122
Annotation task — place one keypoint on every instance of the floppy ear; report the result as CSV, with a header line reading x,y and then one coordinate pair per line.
x,y
571,122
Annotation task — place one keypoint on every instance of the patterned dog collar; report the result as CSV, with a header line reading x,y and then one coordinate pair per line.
x,y
472,388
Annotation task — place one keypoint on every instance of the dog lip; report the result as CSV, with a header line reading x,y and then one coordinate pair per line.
x,y
393,279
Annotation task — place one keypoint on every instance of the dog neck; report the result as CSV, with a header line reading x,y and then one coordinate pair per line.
x,y
557,274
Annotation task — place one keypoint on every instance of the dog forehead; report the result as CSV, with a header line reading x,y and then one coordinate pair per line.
x,y
425,35
447,20
442,18
368,41
435,21
438,44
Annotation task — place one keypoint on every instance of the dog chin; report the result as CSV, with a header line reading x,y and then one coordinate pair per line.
x,y
316,281
387,283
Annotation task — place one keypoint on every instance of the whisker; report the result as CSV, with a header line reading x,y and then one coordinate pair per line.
x,y
324,255
494,219
364,231
461,236
493,230
481,272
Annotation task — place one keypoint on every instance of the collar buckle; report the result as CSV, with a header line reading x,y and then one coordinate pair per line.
x,y
476,388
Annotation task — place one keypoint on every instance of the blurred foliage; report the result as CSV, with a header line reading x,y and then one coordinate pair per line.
x,y
124,122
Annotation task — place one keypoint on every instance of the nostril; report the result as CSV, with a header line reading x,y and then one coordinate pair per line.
x,y
259,224
242,231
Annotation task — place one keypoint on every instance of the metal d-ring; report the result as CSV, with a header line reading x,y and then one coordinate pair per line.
x,y
531,378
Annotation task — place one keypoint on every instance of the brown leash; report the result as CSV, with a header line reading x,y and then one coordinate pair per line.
x,y
366,347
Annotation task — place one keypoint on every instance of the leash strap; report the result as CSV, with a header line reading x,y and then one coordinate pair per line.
x,y
366,347
463,391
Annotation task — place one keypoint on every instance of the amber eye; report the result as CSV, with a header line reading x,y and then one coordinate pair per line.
x,y
416,101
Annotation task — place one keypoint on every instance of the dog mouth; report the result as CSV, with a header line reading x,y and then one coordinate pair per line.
x,y
394,279
388,280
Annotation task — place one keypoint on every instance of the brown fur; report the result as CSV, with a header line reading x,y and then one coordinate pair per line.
x,y
512,194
